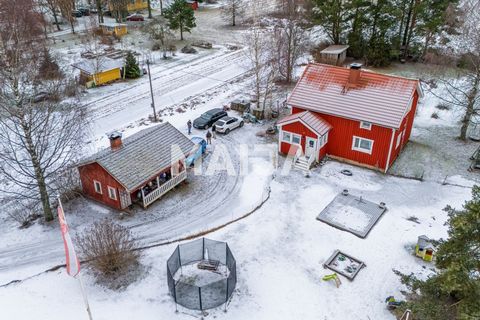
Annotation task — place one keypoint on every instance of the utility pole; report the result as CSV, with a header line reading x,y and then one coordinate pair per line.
x,y
151,91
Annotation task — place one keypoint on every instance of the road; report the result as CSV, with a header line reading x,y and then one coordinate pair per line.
x,y
203,203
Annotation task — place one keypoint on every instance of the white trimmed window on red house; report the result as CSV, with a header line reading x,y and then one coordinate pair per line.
x,y
366,125
98,186
112,193
362,145
399,139
323,140
291,138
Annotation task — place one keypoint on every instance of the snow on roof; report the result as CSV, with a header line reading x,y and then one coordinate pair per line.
x,y
142,155
101,64
377,98
312,120
335,49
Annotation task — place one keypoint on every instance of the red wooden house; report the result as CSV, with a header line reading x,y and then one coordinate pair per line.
x,y
140,169
350,114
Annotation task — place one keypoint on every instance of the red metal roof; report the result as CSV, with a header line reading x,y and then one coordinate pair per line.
x,y
312,120
377,98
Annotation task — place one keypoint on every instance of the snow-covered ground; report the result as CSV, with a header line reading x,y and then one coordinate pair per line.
x,y
279,251
279,248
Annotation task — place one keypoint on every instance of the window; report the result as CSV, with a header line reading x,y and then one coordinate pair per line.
x,y
362,145
296,139
112,193
323,140
98,186
399,139
311,143
291,137
365,125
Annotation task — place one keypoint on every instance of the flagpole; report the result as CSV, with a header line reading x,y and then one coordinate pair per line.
x,y
73,264
84,294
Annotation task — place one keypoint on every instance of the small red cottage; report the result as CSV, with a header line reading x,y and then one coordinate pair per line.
x,y
140,169
350,114
193,4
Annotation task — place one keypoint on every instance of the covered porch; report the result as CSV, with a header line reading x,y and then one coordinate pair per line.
x,y
160,184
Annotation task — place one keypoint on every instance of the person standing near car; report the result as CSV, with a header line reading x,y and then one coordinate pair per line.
x,y
189,125
209,137
214,132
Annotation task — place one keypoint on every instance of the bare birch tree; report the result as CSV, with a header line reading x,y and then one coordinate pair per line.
x,y
290,38
160,32
52,7
259,57
464,92
37,138
66,8
232,10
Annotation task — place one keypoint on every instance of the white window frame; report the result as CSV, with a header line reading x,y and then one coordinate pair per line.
x,y
360,142
112,191
291,136
294,135
99,184
322,141
365,125
399,139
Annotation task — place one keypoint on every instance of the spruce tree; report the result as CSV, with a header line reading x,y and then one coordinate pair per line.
x,y
333,16
132,70
180,16
454,291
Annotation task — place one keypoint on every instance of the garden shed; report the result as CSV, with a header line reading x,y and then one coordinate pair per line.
x,y
334,54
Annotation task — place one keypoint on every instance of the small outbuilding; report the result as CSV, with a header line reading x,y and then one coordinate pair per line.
x,y
424,248
140,169
334,55
98,71
113,28
193,4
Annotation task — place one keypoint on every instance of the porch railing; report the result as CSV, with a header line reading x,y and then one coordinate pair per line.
x,y
164,188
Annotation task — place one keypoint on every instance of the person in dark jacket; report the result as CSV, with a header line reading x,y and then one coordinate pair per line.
x,y
209,137
189,125
214,132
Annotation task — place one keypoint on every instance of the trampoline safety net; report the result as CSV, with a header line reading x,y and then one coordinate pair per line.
x,y
208,295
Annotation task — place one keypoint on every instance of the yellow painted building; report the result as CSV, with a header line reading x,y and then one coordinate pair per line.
x,y
113,28
96,72
136,5
133,5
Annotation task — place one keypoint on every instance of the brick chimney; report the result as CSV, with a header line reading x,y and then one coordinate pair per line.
x,y
354,76
115,138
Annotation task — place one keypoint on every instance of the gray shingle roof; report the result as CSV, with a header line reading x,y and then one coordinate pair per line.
x,y
143,155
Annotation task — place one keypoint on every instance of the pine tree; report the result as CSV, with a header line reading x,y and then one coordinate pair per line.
x,y
333,16
381,22
180,16
454,291
132,70
49,68
356,36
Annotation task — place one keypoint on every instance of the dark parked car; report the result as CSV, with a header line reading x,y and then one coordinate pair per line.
x,y
135,17
206,120
77,14
85,11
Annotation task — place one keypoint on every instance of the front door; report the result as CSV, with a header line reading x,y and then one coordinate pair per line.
x,y
310,147
125,199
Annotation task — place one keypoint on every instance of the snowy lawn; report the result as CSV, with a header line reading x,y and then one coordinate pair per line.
x,y
279,250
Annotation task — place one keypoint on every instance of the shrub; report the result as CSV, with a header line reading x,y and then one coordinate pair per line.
x,y
110,247
435,115
442,106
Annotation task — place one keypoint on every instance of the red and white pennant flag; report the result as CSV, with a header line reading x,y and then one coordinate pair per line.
x,y
73,265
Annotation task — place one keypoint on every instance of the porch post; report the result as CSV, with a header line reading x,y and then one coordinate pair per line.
x,y
143,197
158,182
